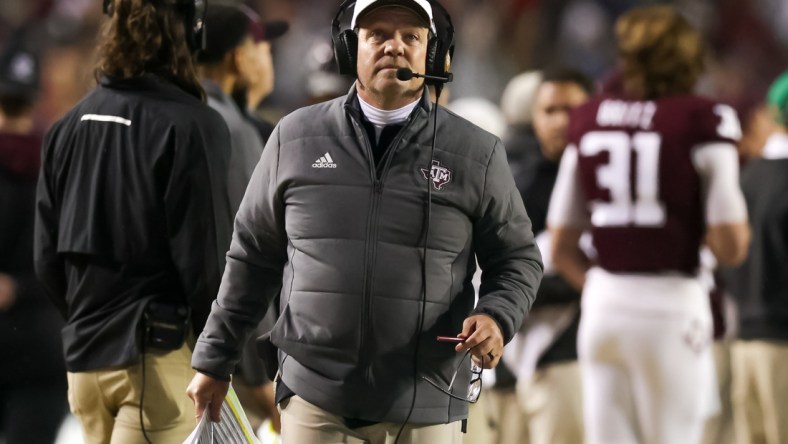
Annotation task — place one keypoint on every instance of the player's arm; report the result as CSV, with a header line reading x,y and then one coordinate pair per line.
x,y
570,260
566,220
729,242
727,229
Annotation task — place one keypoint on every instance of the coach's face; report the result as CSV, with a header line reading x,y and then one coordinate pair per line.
x,y
390,38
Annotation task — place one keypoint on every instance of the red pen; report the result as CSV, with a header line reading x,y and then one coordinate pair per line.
x,y
451,339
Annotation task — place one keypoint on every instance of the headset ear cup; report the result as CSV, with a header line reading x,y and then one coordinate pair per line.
x,y
433,64
443,49
346,51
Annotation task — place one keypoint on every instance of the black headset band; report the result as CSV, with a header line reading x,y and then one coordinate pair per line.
x,y
338,17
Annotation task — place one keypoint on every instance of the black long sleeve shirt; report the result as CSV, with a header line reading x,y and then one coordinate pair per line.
x,y
131,206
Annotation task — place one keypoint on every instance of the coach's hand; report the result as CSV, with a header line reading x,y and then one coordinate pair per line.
x,y
483,337
206,391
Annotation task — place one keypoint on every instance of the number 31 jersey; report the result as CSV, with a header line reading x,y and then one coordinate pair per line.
x,y
637,184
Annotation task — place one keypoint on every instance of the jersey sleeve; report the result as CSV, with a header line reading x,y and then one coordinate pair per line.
x,y
717,165
715,158
717,122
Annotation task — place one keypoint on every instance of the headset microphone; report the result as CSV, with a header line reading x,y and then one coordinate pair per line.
x,y
405,74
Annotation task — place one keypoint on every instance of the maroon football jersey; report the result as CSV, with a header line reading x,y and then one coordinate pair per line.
x,y
640,186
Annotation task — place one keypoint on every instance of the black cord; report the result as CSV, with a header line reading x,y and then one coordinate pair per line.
x,y
142,392
426,229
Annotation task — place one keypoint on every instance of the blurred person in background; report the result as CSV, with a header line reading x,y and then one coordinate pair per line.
x,y
254,384
237,71
759,123
480,112
323,79
651,172
760,287
548,376
260,83
32,376
483,416
132,224
517,106
719,426
506,418
231,61
367,234
561,89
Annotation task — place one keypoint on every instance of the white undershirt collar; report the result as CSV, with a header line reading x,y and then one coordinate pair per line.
x,y
379,118
776,147
382,117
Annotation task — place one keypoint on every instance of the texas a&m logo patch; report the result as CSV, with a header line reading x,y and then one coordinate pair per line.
x,y
440,175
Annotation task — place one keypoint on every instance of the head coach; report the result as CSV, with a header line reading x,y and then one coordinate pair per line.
x,y
365,216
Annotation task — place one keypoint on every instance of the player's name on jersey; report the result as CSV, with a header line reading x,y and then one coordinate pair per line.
x,y
628,114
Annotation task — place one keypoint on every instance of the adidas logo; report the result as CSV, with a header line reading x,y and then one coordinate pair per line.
x,y
325,161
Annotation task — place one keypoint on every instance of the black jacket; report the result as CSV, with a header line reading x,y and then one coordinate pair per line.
x,y
30,329
760,283
344,239
131,206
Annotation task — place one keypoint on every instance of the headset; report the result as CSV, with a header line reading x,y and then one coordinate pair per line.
x,y
192,12
440,47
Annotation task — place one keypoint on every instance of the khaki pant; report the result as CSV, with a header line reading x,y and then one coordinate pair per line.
x,y
509,422
760,392
719,427
479,427
257,401
303,422
553,404
107,402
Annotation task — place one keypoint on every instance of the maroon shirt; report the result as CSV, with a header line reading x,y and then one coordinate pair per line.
x,y
20,154
638,179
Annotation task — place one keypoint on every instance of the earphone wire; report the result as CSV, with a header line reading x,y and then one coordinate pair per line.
x,y
142,391
422,311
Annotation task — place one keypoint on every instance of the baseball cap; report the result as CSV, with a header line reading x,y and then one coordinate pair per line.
x,y
263,30
227,26
421,7
19,72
